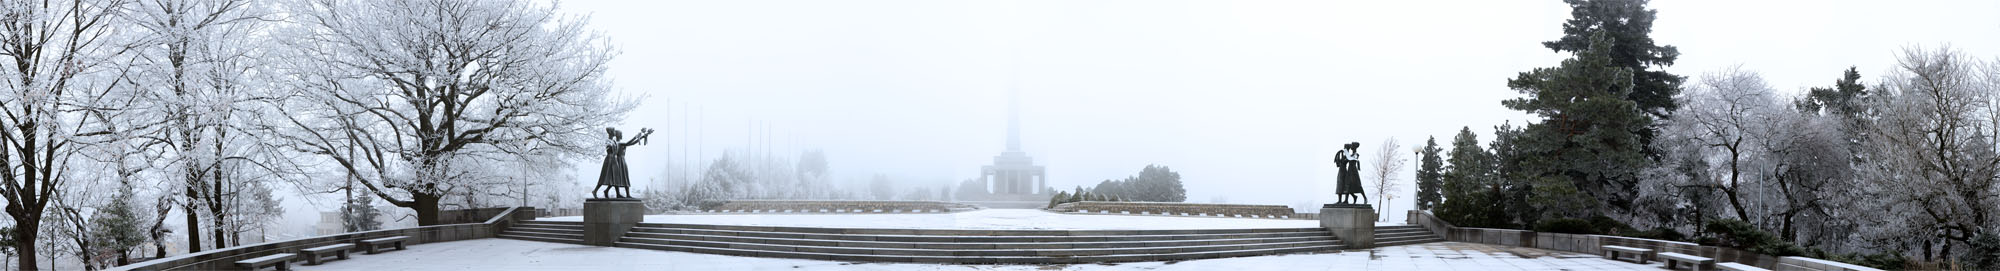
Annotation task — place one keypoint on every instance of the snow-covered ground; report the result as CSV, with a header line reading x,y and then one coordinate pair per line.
x,y
989,219
508,254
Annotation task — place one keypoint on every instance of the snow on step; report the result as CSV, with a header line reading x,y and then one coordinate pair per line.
x,y
977,246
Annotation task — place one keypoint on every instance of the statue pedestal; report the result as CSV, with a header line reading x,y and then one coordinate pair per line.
x,y
605,220
1354,224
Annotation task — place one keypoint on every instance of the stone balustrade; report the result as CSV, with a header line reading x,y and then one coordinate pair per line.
x,y
1177,209
837,207
499,219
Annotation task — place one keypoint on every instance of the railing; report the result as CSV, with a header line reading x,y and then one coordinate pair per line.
x,y
1589,243
225,258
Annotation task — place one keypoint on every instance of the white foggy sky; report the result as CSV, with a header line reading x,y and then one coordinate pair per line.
x,y
1246,99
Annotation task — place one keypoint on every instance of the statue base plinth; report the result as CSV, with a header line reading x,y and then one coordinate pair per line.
x,y
1354,224
607,219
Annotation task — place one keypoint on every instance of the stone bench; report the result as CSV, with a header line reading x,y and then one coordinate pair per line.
x,y
1639,255
314,254
1698,263
374,244
281,260
1738,267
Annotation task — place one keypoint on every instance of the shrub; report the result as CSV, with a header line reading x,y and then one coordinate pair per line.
x,y
1738,234
1659,233
1983,252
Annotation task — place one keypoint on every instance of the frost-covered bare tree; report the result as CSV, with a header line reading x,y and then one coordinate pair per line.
x,y
417,99
1733,141
1803,174
1388,168
1934,158
52,84
194,66
1724,111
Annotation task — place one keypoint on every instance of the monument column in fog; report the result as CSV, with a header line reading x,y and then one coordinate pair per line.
x,y
1014,175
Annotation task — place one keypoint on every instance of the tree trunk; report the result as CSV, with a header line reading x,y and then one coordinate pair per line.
x,y
24,236
1785,230
193,222
219,211
221,234
1735,177
426,206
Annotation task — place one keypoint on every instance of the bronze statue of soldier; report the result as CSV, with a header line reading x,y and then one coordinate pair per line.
x,y
614,176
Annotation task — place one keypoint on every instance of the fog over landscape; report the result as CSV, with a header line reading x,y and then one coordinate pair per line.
x,y
1248,100
180,134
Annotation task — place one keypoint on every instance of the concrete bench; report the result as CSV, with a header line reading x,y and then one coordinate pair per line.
x,y
374,244
280,260
1698,262
1639,255
1738,267
314,254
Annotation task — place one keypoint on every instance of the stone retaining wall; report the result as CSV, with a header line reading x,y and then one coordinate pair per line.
x,y
837,207
225,258
1803,263
1592,244
1177,209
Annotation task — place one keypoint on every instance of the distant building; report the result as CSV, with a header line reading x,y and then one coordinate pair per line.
x,y
329,223
1013,176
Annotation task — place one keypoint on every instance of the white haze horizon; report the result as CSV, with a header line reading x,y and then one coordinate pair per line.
x,y
1247,100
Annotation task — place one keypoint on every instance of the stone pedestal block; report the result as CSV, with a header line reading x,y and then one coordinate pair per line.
x,y
605,220
1354,224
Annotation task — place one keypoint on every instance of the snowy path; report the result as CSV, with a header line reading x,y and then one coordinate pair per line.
x,y
989,219
507,254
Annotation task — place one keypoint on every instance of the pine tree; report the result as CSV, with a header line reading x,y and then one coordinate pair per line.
x,y
1430,169
1589,147
364,216
1466,184
116,227
1058,198
1628,25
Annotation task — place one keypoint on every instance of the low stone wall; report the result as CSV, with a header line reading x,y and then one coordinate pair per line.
x,y
462,216
1589,243
1803,263
1176,209
837,206
225,258
559,212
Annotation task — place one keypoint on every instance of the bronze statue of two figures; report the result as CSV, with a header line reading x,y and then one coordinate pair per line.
x,y
1348,186
614,176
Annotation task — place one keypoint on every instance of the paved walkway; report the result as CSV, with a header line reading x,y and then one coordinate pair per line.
x,y
507,254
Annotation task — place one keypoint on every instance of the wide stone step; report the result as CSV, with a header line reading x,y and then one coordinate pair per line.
x,y
544,238
577,236
979,252
659,238
981,259
1408,242
549,223
1402,229
954,232
977,239
1380,240
1380,235
572,230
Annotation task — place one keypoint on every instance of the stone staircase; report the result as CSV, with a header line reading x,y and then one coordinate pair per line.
x,y
1403,235
977,246
569,232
